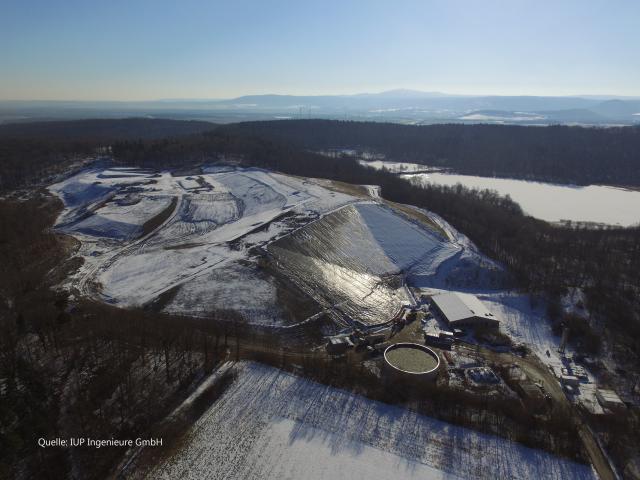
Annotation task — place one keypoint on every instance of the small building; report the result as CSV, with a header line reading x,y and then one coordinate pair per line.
x,y
531,394
463,310
431,337
580,372
446,335
609,399
338,345
438,340
569,380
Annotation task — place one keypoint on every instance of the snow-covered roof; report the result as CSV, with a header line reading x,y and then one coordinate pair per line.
x,y
461,306
609,397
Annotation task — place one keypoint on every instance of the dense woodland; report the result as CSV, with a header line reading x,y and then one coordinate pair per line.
x,y
556,153
104,129
35,152
23,162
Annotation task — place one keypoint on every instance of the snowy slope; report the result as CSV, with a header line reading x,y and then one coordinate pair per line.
x,y
234,286
355,259
137,278
273,425
120,220
407,245
113,196
347,253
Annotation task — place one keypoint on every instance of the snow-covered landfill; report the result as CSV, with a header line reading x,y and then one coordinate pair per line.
x,y
200,242
147,235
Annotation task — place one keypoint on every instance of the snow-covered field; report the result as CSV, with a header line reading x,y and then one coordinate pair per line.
x,y
274,425
397,167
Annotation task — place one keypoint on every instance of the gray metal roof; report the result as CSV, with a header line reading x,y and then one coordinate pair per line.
x,y
461,306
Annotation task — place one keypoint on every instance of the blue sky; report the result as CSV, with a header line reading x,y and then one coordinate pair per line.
x,y
153,49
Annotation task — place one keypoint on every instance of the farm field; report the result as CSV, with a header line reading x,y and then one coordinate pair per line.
x,y
270,425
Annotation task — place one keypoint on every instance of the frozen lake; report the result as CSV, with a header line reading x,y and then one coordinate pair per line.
x,y
547,201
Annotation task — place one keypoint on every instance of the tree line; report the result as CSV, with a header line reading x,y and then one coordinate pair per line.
x,y
556,153
33,153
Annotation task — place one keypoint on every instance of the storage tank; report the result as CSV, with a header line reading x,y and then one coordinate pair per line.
x,y
411,361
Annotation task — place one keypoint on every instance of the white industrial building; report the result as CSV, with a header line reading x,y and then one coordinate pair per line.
x,y
463,310
609,399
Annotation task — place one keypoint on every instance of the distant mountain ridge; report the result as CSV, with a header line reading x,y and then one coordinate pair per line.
x,y
398,106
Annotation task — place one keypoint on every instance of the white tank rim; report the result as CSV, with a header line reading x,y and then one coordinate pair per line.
x,y
417,346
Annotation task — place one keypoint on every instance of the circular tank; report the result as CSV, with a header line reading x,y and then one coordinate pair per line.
x,y
411,361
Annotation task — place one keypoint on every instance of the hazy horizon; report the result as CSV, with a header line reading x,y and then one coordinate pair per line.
x,y
154,50
348,94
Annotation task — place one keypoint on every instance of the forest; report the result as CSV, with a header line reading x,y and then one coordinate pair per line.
x,y
103,129
33,152
560,154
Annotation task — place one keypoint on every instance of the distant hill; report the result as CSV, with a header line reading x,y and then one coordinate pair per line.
x,y
397,106
577,115
408,106
403,93
409,99
618,108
